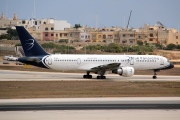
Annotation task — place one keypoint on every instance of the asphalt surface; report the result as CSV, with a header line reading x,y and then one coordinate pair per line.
x,y
87,107
10,75
90,103
91,115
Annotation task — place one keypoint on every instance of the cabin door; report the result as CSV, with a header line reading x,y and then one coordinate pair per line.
x,y
78,61
161,61
131,60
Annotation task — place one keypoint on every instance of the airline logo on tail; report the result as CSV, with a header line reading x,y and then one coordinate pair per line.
x,y
30,43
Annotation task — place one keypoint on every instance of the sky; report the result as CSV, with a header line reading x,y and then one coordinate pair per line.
x,y
98,13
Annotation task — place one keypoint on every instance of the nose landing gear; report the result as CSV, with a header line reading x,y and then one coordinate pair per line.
x,y
154,76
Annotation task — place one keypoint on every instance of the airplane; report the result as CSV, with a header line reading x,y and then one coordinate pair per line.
x,y
124,65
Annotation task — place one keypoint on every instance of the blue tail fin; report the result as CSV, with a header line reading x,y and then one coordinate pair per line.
x,y
29,44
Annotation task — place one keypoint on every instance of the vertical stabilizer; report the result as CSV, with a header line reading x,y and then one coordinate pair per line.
x,y
29,44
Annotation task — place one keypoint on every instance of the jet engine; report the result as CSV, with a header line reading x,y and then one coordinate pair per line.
x,y
124,71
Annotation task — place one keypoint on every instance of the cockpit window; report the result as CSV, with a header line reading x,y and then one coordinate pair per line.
x,y
168,61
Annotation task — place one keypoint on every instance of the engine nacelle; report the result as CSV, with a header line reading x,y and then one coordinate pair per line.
x,y
124,71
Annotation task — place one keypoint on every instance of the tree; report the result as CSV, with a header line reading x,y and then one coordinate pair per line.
x,y
115,48
170,46
145,43
140,43
55,48
4,36
77,26
49,45
178,47
12,34
158,46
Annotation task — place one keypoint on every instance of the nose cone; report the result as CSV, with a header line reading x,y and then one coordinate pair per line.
x,y
171,65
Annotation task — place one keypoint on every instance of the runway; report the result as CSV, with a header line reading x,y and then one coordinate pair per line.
x,y
10,75
127,108
90,103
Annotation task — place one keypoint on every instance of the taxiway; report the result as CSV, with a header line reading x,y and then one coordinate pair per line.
x,y
128,108
10,75
90,103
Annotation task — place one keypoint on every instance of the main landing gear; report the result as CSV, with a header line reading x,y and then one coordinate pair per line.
x,y
90,76
101,77
87,76
154,76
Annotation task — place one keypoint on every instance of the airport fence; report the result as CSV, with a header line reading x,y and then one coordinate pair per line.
x,y
18,50
7,48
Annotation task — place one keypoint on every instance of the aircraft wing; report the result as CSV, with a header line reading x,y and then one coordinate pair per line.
x,y
106,67
98,67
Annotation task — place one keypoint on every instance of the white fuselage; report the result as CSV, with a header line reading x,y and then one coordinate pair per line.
x,y
86,62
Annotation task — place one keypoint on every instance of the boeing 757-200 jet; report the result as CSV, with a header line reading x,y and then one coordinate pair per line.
x,y
124,65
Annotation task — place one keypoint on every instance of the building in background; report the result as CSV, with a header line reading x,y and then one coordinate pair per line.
x,y
6,23
128,37
97,36
111,35
158,34
50,29
74,35
85,33
173,36
62,31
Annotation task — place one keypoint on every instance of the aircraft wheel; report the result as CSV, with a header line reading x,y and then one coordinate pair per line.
x,y
154,77
101,77
89,76
84,76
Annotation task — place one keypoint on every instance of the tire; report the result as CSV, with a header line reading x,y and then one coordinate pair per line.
x,y
90,76
84,76
154,77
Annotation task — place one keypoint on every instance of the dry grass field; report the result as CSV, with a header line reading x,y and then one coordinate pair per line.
x,y
75,89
